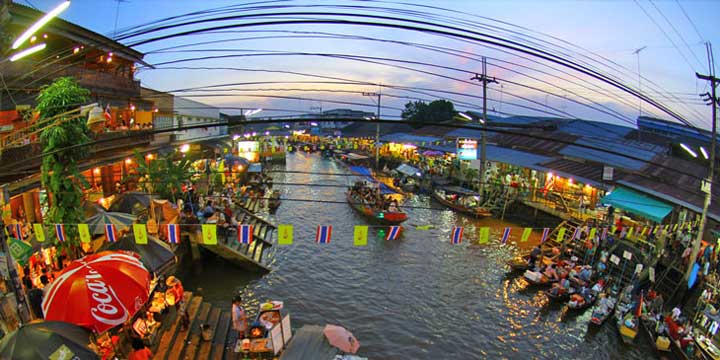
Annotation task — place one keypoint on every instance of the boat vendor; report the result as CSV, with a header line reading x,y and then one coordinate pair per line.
x,y
534,255
239,319
550,273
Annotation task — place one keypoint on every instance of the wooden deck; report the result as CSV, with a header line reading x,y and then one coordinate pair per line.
x,y
175,344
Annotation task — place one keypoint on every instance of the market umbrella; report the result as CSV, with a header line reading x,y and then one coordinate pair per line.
x,y
432,153
165,212
155,255
119,219
231,160
91,208
342,339
47,340
99,291
132,202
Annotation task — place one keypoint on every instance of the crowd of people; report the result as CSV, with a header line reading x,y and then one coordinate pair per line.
x,y
372,197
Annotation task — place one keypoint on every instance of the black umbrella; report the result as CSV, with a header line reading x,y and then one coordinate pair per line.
x,y
132,202
155,255
91,208
47,340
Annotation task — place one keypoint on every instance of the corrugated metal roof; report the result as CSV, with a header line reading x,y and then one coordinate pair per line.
x,y
603,157
584,128
544,145
408,138
515,157
586,173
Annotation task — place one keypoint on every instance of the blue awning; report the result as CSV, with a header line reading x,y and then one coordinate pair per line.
x,y
367,174
637,204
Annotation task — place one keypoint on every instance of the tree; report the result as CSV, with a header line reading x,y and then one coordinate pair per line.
x,y
63,140
438,111
163,176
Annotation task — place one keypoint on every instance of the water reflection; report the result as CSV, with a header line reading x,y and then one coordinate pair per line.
x,y
415,298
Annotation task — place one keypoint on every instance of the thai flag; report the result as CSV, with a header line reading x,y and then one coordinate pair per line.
x,y
456,235
60,232
173,233
17,229
393,233
576,234
546,232
604,233
506,236
110,233
245,234
324,232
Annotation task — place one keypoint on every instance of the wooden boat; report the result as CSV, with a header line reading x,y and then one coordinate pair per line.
x,y
599,318
463,195
382,217
519,263
274,202
629,333
586,304
542,280
560,297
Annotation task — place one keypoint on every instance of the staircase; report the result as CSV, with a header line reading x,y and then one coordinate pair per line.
x,y
670,279
176,344
566,239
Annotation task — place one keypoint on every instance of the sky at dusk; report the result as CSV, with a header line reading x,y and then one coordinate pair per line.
x,y
332,64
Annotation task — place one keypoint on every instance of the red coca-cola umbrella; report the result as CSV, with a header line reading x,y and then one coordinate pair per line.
x,y
98,291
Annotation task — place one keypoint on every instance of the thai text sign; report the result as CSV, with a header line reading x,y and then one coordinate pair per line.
x,y
467,149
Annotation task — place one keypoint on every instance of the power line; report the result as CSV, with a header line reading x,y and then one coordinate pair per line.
x,y
672,26
666,34
690,20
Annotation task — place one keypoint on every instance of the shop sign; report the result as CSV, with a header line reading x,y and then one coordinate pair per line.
x,y
467,149
651,274
614,259
627,255
607,173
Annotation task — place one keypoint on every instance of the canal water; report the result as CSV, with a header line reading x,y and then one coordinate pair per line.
x,y
416,298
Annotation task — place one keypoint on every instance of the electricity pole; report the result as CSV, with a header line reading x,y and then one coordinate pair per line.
x,y
712,99
483,141
377,127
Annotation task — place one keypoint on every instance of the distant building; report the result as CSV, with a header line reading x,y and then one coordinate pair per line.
x,y
178,112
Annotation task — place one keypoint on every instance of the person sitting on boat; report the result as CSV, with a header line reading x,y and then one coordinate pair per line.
x,y
576,300
585,274
604,306
393,206
534,255
599,286
550,273
557,289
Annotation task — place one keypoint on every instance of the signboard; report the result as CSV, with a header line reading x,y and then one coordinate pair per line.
x,y
608,173
651,274
638,268
627,255
287,331
277,338
614,259
20,250
467,149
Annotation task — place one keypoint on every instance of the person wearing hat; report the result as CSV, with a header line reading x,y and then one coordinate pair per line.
x,y
176,287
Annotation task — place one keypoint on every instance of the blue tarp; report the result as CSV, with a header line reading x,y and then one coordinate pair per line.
x,y
638,204
367,174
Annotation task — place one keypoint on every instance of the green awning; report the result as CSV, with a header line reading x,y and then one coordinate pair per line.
x,y
638,204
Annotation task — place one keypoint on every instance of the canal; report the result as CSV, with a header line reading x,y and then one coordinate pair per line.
x,y
415,298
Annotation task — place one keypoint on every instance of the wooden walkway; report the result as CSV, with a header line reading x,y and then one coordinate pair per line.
x,y
174,343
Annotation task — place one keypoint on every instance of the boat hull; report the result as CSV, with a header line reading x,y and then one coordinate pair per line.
x,y
381,217
475,212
